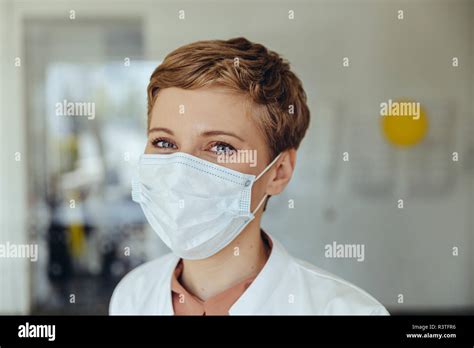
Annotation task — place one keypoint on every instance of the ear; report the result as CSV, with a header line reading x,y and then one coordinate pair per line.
x,y
282,172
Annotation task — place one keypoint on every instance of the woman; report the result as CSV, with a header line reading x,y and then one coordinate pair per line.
x,y
225,119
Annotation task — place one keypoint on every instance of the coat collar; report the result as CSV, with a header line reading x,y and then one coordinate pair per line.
x,y
258,294
254,297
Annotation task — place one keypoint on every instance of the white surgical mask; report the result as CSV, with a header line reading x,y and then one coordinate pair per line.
x,y
195,206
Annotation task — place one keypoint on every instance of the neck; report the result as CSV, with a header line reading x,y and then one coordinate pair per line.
x,y
244,257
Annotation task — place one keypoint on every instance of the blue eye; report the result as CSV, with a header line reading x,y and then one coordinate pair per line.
x,y
163,144
223,148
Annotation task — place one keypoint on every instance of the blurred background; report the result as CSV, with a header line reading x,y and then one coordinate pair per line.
x,y
65,180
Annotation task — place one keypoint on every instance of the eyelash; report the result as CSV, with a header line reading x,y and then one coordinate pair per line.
x,y
155,142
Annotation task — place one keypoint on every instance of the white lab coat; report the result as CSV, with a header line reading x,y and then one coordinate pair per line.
x,y
285,286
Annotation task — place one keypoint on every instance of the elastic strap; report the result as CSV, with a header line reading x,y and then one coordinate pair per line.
x,y
268,167
259,204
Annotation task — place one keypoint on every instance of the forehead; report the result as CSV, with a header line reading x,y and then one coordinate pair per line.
x,y
215,107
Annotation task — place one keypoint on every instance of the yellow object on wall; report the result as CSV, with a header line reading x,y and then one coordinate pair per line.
x,y
404,123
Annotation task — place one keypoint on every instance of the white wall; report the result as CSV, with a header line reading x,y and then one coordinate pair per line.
x,y
14,272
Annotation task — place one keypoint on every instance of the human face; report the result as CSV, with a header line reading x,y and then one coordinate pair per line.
x,y
207,123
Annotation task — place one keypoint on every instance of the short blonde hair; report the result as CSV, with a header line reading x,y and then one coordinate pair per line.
x,y
248,68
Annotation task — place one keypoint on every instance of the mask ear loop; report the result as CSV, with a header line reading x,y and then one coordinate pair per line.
x,y
268,167
258,177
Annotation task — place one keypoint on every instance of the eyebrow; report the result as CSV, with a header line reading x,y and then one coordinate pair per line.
x,y
206,134
218,132
157,129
